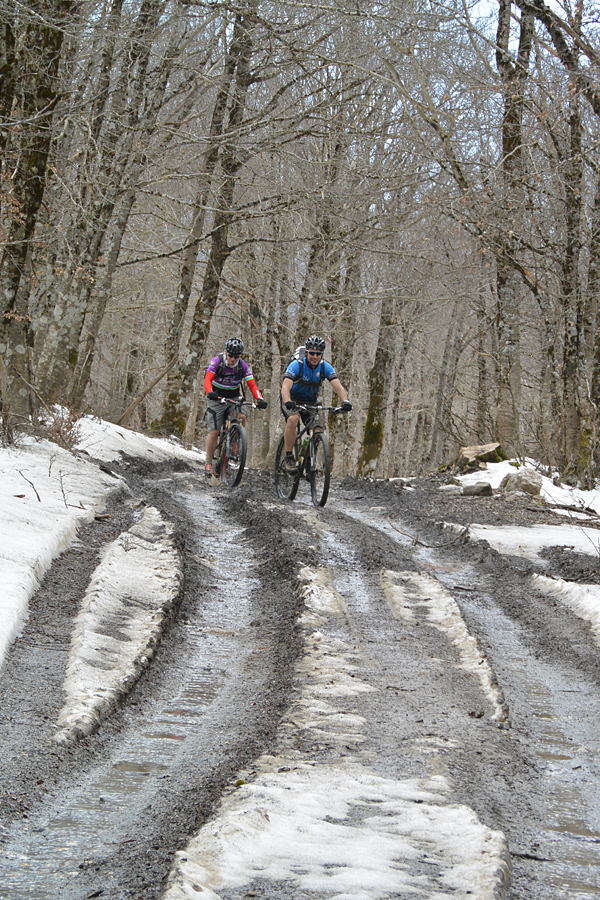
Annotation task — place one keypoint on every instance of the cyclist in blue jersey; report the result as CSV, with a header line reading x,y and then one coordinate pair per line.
x,y
301,384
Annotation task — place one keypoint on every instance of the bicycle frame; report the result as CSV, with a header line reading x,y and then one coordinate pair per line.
x,y
312,455
232,417
310,428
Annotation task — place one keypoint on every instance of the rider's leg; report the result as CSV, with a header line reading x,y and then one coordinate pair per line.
x,y
289,435
211,444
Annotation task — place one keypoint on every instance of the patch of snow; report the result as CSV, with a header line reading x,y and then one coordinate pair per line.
x,y
572,514
342,831
493,473
528,541
106,441
119,625
583,599
559,495
46,493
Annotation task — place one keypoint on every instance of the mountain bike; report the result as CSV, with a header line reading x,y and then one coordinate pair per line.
x,y
231,446
311,454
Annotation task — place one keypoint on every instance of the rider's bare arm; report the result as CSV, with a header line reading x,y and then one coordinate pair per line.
x,y
285,389
339,388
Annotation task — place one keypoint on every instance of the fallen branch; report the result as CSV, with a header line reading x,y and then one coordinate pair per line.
x,y
32,485
145,392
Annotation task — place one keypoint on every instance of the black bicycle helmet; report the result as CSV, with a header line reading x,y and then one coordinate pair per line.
x,y
234,346
314,342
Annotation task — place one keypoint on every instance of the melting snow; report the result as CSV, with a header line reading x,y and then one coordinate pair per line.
x,y
46,493
339,829
119,625
583,599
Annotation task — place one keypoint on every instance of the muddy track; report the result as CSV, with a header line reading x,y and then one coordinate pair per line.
x,y
40,782
232,650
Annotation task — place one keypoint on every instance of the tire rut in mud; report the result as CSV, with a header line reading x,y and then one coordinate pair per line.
x,y
33,673
37,773
494,771
524,781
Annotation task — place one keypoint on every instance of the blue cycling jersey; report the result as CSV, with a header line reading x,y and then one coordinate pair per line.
x,y
307,381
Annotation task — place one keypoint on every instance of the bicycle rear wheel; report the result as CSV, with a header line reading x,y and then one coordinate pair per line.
x,y
286,485
320,469
234,457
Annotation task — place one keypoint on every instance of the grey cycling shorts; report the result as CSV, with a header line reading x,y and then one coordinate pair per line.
x,y
215,414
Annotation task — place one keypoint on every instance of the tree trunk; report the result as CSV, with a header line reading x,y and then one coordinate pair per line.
x,y
403,342
37,89
594,292
442,419
380,381
343,338
178,410
574,450
508,282
482,406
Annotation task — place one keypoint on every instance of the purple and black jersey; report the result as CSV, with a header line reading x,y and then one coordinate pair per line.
x,y
227,382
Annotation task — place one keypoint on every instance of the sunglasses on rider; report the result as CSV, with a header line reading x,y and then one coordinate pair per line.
x,y
314,353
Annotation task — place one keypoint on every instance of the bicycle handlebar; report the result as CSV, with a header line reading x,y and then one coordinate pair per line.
x,y
309,408
238,401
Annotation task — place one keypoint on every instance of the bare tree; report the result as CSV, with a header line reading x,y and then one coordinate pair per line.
x,y
28,101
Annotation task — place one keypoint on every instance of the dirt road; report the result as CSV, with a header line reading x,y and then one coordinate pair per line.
x,y
363,654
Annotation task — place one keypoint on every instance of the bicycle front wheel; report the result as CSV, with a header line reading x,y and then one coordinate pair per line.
x,y
320,469
286,485
234,457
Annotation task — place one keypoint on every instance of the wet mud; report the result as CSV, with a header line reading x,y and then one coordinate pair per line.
x,y
519,776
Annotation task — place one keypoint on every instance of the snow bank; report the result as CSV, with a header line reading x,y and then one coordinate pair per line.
x,y
527,541
119,626
105,441
583,599
46,493
559,495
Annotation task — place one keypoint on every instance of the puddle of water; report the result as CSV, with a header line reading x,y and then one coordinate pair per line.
x,y
43,856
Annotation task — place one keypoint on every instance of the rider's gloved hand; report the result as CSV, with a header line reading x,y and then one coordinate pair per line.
x,y
262,404
212,395
346,406
290,405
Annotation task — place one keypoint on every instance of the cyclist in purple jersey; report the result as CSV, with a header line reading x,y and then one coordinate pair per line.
x,y
224,377
301,384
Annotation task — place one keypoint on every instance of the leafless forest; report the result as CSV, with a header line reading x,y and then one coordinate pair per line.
x,y
418,181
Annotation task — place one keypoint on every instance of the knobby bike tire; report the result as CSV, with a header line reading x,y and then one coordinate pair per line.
x,y
234,455
320,469
286,485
